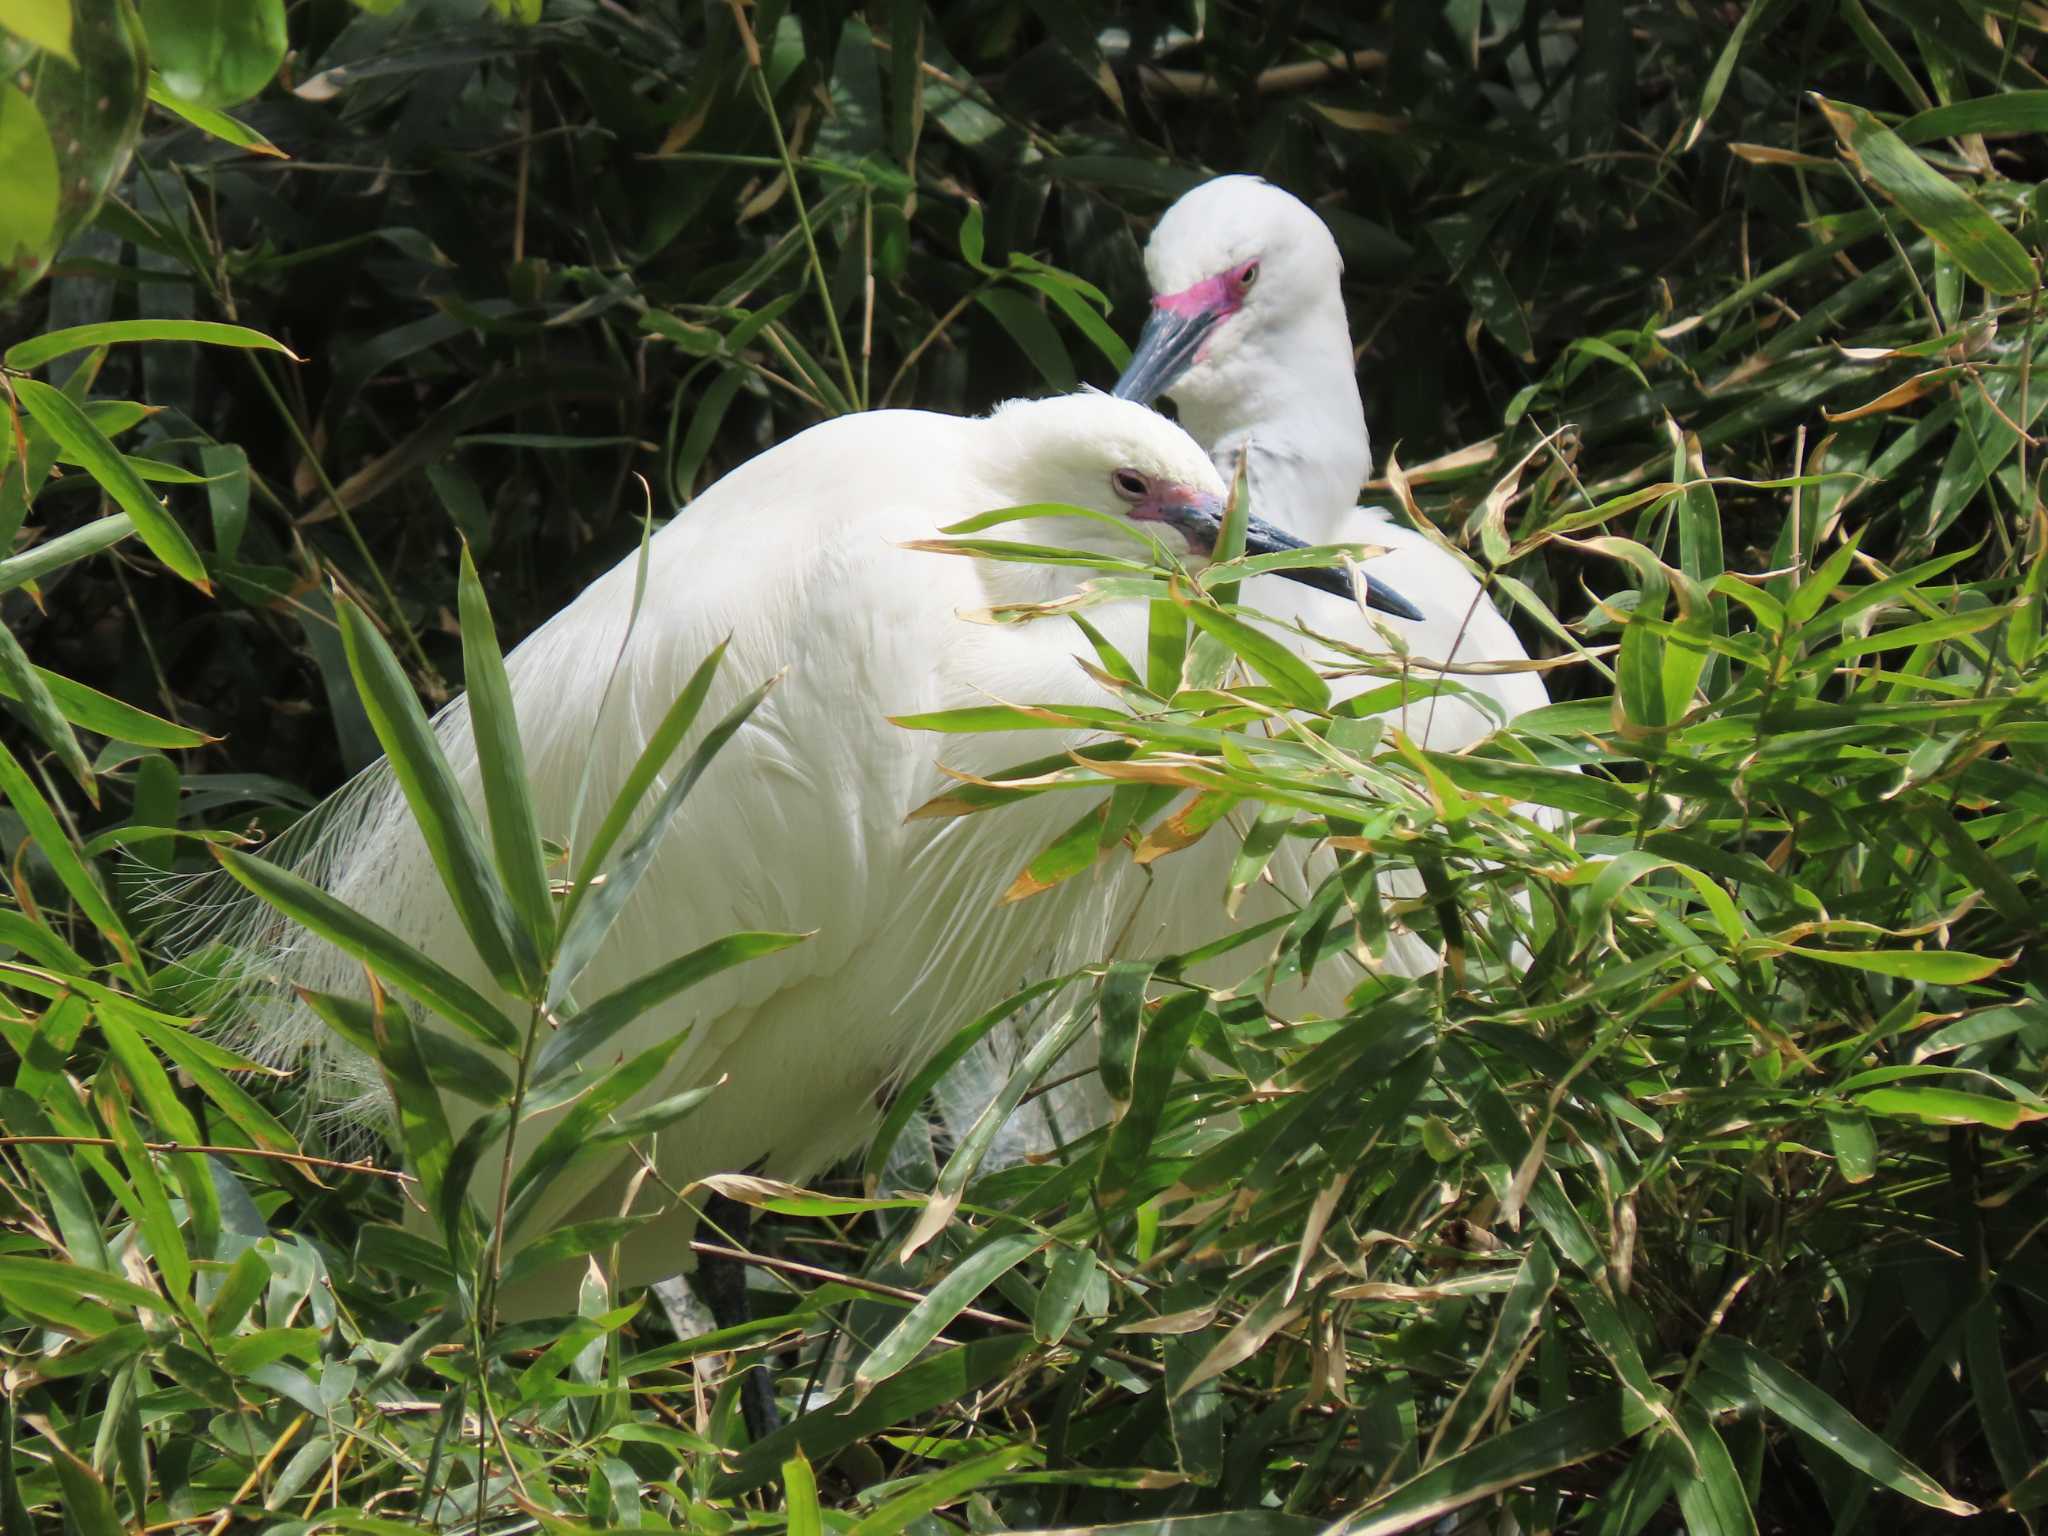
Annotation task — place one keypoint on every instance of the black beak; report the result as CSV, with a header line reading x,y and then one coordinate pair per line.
x,y
1166,348
1262,538
1202,522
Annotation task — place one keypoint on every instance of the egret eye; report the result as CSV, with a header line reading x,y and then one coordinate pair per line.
x,y
1247,275
1128,484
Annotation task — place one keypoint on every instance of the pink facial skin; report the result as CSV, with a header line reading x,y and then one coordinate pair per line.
x,y
1172,502
1221,296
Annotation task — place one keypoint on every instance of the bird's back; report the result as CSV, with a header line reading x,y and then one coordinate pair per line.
x,y
799,824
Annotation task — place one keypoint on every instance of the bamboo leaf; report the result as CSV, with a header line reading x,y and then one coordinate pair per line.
x,y
979,1268
1960,225
1813,1413
501,761
377,947
436,801
84,444
38,350
1563,1438
584,1035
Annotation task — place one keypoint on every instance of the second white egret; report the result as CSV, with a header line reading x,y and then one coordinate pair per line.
x,y
1248,337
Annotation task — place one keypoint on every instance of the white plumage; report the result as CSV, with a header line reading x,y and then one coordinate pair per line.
x,y
799,824
1249,338
1269,366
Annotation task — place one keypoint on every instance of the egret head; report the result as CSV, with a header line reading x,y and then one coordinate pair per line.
x,y
1116,456
1234,264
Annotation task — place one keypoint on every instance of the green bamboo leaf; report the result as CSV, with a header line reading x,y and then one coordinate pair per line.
x,y
1563,1438
20,679
377,947
1945,1106
78,1221
1268,657
661,746
1122,1005
1723,71
583,1036
1066,856
949,1377
975,1272
1990,1384
1943,967
79,1280
975,719
1582,794
1165,1042
437,802
950,1188
1166,647
584,926
1710,1496
1059,1301
973,239
1520,1311
40,560
501,760
38,350
152,1085
30,200
453,1065
1035,335
1854,1143
210,120
94,711
247,1279
1087,319
423,1128
800,1498
194,1058
84,444
87,1502
1813,1413
144,1198
1956,222
77,877
2006,112
911,1509
581,1130
909,1100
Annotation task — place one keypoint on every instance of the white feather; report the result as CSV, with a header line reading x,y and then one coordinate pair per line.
x,y
1275,387
799,825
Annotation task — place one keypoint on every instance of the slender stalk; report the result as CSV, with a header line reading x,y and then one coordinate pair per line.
x,y
202,269
759,77
395,615
295,1158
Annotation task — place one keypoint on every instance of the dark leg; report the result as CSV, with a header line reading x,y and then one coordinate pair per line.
x,y
723,1285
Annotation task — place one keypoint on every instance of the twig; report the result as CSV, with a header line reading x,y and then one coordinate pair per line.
x,y
894,1292
759,78
1281,77
255,1476
180,1146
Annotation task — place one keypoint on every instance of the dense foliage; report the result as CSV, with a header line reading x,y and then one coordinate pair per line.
x,y
1702,1188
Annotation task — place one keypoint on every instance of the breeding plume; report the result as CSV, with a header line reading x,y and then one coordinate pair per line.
x,y
799,824
1248,337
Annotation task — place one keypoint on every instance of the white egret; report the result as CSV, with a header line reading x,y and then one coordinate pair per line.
x,y
798,556
1249,338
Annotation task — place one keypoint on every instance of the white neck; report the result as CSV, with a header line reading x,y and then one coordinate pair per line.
x,y
1291,393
